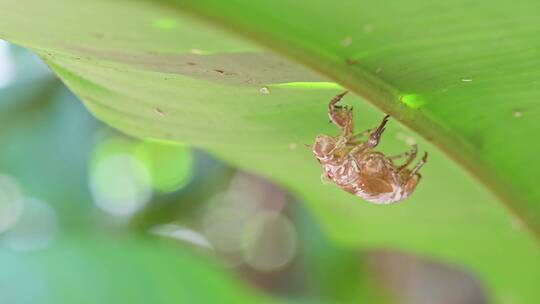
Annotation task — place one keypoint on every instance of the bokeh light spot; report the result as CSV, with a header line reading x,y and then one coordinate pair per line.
x,y
224,226
11,206
269,241
36,228
120,184
170,165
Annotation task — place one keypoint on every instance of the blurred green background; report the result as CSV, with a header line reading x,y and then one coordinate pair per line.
x,y
89,215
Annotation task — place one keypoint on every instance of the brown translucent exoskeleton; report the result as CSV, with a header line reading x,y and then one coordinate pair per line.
x,y
349,162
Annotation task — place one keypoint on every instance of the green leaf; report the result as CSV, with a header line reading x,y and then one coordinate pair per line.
x,y
84,269
463,75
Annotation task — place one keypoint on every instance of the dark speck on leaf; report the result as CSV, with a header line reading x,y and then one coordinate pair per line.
x,y
159,112
191,63
224,72
477,139
350,61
